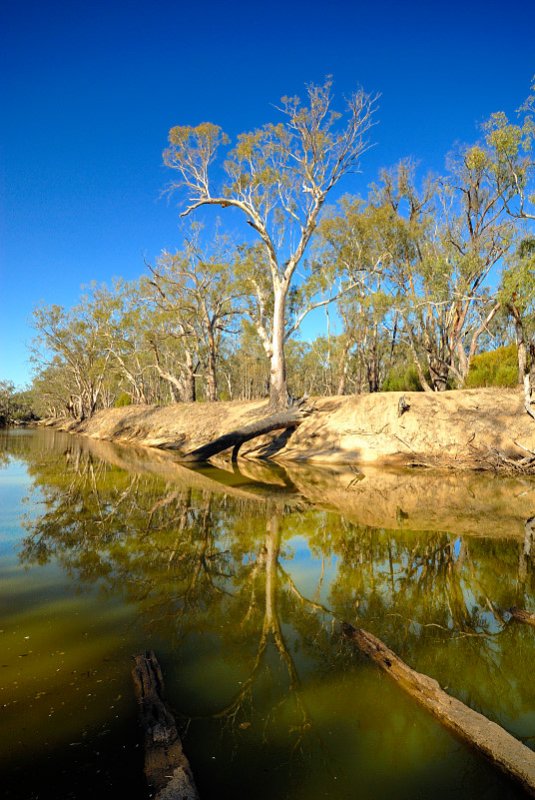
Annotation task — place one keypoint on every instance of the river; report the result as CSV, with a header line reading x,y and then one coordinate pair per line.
x,y
238,580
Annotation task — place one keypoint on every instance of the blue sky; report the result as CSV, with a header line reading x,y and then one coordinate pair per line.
x,y
90,91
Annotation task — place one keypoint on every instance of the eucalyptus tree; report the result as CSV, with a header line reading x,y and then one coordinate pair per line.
x,y
368,342
7,401
51,386
517,297
511,152
71,343
245,369
278,177
123,321
477,235
199,297
348,242
174,355
443,241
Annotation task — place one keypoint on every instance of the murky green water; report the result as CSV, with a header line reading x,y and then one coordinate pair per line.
x,y
236,580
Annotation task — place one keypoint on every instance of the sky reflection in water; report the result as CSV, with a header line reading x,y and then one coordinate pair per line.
x,y
238,580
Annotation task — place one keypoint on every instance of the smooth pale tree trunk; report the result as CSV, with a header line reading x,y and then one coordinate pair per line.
x,y
421,375
465,361
522,360
174,394
278,392
342,383
211,378
373,365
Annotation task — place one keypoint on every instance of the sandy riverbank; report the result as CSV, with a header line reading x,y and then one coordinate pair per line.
x,y
461,429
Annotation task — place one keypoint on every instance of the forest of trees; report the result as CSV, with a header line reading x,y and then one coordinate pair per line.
x,y
413,281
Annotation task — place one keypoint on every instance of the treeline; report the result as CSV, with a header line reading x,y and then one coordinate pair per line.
x,y
16,405
414,280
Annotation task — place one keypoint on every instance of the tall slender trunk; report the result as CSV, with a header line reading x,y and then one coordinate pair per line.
x,y
211,378
520,342
416,361
173,393
278,392
373,364
465,360
344,368
189,394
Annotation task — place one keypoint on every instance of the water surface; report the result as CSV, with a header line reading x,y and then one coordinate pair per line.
x,y
238,580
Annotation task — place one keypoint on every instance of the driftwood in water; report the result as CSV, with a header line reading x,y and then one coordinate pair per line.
x,y
235,439
166,767
510,755
522,616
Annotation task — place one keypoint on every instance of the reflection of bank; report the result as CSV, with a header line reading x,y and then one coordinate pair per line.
x,y
474,504
171,545
200,556
188,558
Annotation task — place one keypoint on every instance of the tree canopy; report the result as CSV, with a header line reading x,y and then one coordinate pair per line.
x,y
414,280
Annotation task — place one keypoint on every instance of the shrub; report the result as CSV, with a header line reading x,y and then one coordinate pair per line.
x,y
402,378
495,368
124,399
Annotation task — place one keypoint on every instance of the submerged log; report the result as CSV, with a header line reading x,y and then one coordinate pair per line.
x,y
506,752
235,439
522,616
167,769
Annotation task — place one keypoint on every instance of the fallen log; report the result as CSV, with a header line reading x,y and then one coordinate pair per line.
x,y
522,616
235,439
167,769
500,747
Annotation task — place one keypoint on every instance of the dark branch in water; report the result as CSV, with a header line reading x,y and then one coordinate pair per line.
x,y
167,769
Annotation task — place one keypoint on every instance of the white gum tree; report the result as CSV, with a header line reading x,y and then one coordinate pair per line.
x,y
278,177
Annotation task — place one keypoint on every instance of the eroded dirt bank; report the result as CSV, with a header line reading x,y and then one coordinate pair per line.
x,y
462,429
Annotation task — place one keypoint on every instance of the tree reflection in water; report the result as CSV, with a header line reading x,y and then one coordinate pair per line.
x,y
213,556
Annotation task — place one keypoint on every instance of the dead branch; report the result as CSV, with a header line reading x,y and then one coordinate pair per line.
x,y
167,769
500,747
522,616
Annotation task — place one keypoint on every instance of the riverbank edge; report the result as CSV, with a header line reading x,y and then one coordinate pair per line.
x,y
460,429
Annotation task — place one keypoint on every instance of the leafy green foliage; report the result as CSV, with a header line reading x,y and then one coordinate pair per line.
x,y
424,273
495,368
402,378
16,406
124,399
278,177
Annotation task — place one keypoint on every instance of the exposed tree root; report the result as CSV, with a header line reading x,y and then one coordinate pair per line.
x,y
278,421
